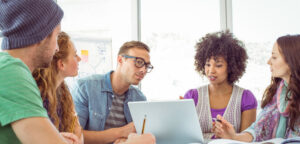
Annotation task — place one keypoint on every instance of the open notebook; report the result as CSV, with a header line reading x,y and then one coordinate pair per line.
x,y
295,140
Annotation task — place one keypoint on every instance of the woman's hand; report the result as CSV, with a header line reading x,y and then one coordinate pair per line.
x,y
223,129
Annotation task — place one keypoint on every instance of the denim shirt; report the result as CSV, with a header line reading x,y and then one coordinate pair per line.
x,y
93,97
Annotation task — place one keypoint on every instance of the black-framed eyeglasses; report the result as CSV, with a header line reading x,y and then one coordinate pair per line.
x,y
140,62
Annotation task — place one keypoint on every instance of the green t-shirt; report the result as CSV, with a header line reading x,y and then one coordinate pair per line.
x,y
19,96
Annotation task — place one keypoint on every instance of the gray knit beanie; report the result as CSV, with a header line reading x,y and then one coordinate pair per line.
x,y
27,22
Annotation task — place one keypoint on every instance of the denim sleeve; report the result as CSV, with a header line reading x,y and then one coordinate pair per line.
x,y
137,95
143,97
81,104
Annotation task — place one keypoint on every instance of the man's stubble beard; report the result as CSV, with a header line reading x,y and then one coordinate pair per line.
x,y
43,58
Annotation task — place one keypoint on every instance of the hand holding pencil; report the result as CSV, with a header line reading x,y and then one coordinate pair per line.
x,y
127,129
134,138
223,129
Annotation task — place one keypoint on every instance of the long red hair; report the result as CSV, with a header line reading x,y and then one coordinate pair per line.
x,y
46,79
289,47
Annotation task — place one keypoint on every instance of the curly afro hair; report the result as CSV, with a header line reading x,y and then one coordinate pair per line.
x,y
222,44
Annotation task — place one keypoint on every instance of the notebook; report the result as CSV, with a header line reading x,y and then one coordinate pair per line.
x,y
171,122
294,140
227,141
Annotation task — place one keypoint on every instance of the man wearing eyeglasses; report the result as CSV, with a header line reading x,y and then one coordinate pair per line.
x,y
101,101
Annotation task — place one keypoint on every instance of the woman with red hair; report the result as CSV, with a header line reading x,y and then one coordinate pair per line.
x,y
56,97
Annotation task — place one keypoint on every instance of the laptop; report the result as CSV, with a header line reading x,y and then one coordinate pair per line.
x,y
171,122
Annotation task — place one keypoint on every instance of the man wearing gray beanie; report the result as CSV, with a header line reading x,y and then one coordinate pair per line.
x,y
29,29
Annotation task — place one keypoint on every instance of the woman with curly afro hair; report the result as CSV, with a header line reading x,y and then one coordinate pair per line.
x,y
222,59
280,116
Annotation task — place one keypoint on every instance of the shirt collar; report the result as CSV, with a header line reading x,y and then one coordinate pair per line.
x,y
107,82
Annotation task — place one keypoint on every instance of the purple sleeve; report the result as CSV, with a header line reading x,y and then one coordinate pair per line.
x,y
192,94
248,101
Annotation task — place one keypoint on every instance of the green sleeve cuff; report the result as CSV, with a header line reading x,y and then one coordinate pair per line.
x,y
12,117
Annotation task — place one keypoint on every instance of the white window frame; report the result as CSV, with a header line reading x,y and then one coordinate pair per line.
x,y
226,15
225,18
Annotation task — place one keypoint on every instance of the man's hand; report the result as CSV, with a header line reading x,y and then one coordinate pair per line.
x,y
127,129
134,138
70,138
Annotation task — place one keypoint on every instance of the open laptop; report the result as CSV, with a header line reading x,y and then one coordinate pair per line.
x,y
171,122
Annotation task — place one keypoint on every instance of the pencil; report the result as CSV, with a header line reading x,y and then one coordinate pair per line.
x,y
215,119
144,122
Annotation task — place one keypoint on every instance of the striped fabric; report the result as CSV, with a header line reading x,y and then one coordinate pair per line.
x,y
116,117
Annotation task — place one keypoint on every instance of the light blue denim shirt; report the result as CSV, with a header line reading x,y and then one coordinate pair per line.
x,y
93,97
